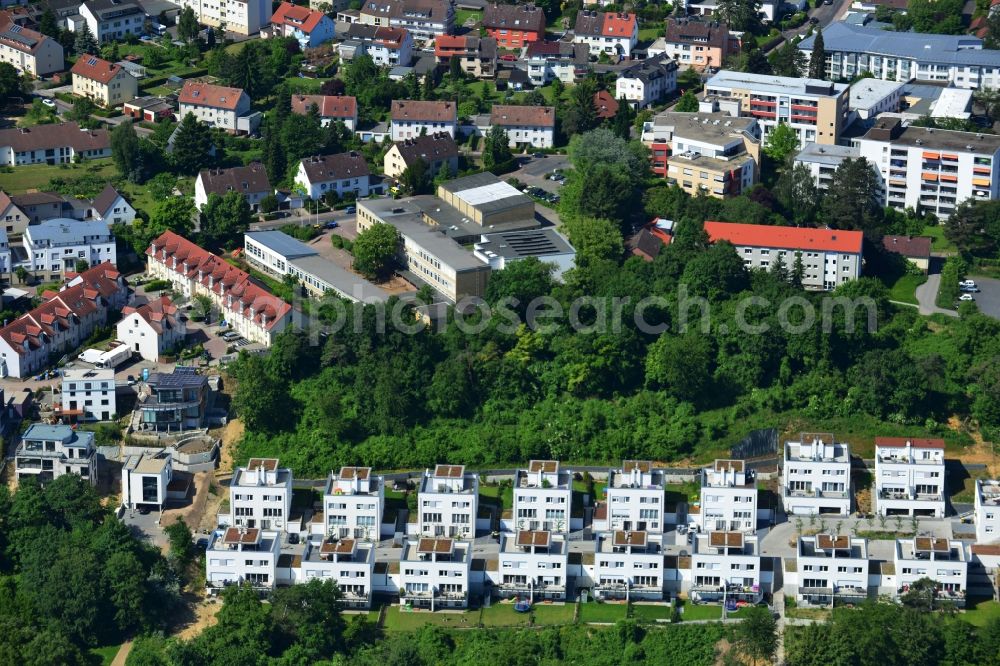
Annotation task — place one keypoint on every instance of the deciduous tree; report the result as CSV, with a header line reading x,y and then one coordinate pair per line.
x,y
375,250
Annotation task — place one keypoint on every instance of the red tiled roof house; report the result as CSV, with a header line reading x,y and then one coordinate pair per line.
x,y
152,328
514,26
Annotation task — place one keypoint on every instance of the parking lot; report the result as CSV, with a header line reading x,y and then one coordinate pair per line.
x,y
534,171
988,297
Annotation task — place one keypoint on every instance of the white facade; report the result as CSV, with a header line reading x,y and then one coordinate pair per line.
x,y
543,497
816,476
353,504
145,479
726,564
409,129
628,565
434,573
871,97
909,477
237,555
89,393
823,161
55,245
449,502
647,84
260,495
109,20
831,567
533,565
315,186
987,510
217,116
536,136
47,452
119,212
347,562
149,339
728,498
941,560
635,498
43,58
244,17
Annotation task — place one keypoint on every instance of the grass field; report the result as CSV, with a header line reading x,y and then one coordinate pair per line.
x,y
503,615
554,614
981,612
462,15
599,612
651,613
649,35
298,84
938,243
904,290
398,620
691,612
104,655
35,176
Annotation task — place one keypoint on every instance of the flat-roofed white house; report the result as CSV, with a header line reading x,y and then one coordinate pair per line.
x,y
816,476
909,477
987,510
728,498
350,563
47,452
260,495
449,500
238,555
533,564
543,497
635,498
831,567
353,504
87,394
110,20
146,479
435,573
942,560
628,565
726,565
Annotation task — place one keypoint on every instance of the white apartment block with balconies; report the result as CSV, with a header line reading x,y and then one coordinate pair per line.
x,y
831,567
941,560
353,504
635,497
816,476
909,477
987,510
88,394
628,565
543,497
448,502
533,565
350,563
244,17
238,555
260,495
47,452
434,573
726,564
728,498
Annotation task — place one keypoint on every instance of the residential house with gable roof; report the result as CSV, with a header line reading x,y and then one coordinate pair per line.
x,y
105,83
251,181
217,106
29,51
331,108
698,44
387,47
411,118
647,82
477,56
514,26
309,26
58,143
533,126
548,61
613,33
151,328
112,208
343,173
439,151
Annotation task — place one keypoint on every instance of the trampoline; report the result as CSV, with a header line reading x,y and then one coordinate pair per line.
x,y
522,606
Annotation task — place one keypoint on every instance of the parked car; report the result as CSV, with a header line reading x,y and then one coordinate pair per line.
x,y
350,210
332,224
970,290
968,284
508,57
48,102
813,20
538,156
966,297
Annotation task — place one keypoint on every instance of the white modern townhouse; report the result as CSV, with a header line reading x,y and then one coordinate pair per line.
x,y
435,573
909,477
816,476
242,555
628,565
350,563
47,452
343,173
449,501
411,118
353,504
543,497
260,495
87,395
942,560
728,498
635,498
146,480
110,20
830,568
987,510
53,247
533,564
726,565
244,17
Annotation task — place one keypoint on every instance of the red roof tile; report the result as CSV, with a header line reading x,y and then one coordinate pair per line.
x,y
302,18
95,69
605,104
329,106
206,94
520,116
908,246
789,238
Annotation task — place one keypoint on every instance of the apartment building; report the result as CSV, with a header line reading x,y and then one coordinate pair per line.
x,y
354,504
871,97
514,26
172,401
830,257
248,308
87,395
987,510
343,173
17,211
724,565
823,161
711,153
942,560
699,44
350,563
932,170
728,498
111,207
59,143
635,498
533,126
388,47
816,476
543,497
260,495
547,61
6,259
309,27
424,19
242,555
449,502
831,568
244,17
533,564
54,246
330,108
959,60
63,321
146,479
437,151
435,573
110,20
105,83
816,110
411,118
47,452
29,51
612,33
250,181
152,328
647,82
477,56
217,106
628,565
909,477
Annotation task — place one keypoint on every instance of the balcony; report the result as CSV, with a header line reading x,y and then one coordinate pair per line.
x,y
817,493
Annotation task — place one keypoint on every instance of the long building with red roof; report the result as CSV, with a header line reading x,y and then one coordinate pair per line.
x,y
64,320
249,308
830,257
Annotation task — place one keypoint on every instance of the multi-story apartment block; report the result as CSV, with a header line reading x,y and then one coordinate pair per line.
x,y
726,565
310,27
477,56
251,181
244,17
533,565
823,161
959,60
152,328
59,143
533,126
239,555
17,211
146,479
831,568
987,510
816,476
543,497
217,106
106,83
909,477
942,560
172,402
88,395
424,19
54,246
109,20
353,504
350,563
699,44
449,502
387,47
932,170
260,495
514,26
330,108
628,565
711,153
635,498
438,151
728,497
611,33
829,257
547,61
29,51
248,308
47,452
344,173
816,110
647,82
411,118
434,573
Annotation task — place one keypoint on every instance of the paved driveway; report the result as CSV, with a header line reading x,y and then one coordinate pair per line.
x,y
927,294
988,299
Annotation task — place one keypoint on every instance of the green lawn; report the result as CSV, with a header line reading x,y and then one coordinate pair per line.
x,y
553,613
650,34
489,495
462,15
938,243
981,612
740,613
104,655
599,612
651,612
904,290
503,615
299,84
691,612
398,620
36,176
